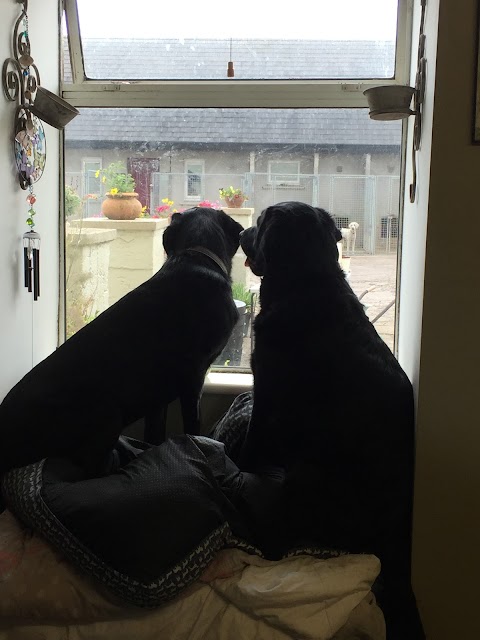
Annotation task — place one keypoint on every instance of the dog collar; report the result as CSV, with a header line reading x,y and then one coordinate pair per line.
x,y
211,255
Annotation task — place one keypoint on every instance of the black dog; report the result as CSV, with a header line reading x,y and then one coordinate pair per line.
x,y
154,345
331,404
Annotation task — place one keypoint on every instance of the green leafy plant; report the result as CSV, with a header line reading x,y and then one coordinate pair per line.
x,y
73,201
241,292
116,179
232,193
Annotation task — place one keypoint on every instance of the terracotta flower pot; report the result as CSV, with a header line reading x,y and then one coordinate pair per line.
x,y
121,206
235,202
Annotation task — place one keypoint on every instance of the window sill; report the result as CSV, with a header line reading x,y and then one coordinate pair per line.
x,y
283,186
228,383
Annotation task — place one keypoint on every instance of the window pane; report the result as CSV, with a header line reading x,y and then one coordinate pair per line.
x,y
192,40
194,184
284,172
345,163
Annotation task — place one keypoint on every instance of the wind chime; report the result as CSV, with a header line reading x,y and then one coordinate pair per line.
x,y
31,253
20,78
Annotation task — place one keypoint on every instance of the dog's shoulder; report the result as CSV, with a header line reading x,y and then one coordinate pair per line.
x,y
328,326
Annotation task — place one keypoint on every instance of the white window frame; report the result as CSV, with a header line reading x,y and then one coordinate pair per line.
x,y
275,179
197,163
82,92
232,92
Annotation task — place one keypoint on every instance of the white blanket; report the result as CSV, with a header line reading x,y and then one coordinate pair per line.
x,y
240,596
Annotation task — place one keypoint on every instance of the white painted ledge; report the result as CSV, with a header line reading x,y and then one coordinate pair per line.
x,y
228,383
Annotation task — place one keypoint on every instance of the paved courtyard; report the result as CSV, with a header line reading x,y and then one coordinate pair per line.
x,y
377,274
375,278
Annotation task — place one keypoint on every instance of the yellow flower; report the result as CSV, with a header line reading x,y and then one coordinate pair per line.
x,y
104,179
144,209
97,173
113,191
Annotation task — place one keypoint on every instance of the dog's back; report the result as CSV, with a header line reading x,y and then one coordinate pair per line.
x,y
351,405
331,403
139,354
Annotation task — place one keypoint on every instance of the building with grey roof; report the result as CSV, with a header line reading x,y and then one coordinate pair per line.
x,y
254,59
335,158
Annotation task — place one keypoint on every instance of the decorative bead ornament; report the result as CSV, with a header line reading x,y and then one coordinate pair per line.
x,y
20,79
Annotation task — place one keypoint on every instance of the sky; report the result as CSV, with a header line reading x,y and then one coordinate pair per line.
x,y
309,19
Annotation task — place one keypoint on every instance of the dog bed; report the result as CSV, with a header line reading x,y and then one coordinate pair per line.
x,y
163,546
239,595
146,530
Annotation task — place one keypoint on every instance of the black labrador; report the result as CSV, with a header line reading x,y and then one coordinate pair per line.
x,y
331,403
152,346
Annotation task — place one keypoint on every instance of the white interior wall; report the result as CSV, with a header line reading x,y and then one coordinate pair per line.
x,y
28,330
439,321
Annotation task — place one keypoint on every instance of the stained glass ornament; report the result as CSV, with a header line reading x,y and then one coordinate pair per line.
x,y
30,147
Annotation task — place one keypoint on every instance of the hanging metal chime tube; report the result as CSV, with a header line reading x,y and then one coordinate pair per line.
x,y
31,262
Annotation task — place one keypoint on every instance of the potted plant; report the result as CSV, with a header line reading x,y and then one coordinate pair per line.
x,y
231,355
121,202
73,202
165,210
209,204
233,197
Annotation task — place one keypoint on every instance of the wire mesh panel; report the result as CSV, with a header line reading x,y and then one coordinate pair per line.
x,y
267,190
370,201
160,190
387,204
347,203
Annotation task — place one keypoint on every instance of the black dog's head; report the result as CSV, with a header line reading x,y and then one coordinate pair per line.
x,y
211,229
291,237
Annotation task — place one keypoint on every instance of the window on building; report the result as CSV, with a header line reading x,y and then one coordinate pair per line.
x,y
194,172
284,172
92,186
280,139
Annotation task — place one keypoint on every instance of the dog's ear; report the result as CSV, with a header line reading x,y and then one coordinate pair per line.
x,y
232,230
170,235
329,222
